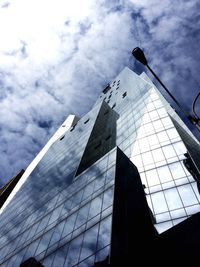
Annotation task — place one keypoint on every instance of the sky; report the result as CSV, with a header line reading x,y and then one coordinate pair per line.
x,y
56,57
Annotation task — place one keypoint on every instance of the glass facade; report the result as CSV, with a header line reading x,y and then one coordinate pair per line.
x,y
62,214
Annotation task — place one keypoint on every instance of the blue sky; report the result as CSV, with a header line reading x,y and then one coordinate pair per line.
x,y
57,55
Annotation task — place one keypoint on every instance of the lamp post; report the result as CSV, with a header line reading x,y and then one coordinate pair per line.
x,y
139,55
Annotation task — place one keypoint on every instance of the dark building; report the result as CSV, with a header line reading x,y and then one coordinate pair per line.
x,y
110,189
6,190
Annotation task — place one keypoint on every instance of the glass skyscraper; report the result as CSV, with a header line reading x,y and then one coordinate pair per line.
x,y
82,185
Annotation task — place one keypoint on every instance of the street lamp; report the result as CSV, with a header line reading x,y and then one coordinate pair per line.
x,y
139,55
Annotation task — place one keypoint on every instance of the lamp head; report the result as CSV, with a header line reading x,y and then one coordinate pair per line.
x,y
139,55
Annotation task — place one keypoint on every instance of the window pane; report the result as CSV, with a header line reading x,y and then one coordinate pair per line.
x,y
162,112
74,250
147,158
137,161
158,125
57,233
154,96
146,118
173,199
102,254
187,195
194,187
42,224
76,199
88,190
193,209
55,214
66,207
158,103
161,227
136,149
143,142
150,106
152,177
165,216
153,115
48,261
153,140
143,178
69,225
149,201
177,170
108,198
110,174
162,136
164,174
60,257
179,148
159,202
89,242
149,128
166,121
169,151
158,155
87,262
99,182
172,133
44,241
178,213
104,233
82,215
31,249
95,207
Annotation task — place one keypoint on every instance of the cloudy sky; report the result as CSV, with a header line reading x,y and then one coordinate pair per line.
x,y
56,56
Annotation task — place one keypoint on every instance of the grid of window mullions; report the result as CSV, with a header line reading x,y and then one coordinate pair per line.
x,y
32,210
62,149
39,219
159,120
155,162
130,108
128,132
51,207
172,176
53,252
177,187
128,138
166,201
134,116
86,229
172,210
166,185
74,212
160,147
